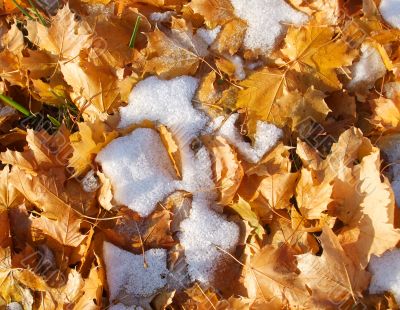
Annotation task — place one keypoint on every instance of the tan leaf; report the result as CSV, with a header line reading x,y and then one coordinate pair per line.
x,y
87,142
260,91
13,40
270,279
332,277
227,169
172,148
370,231
386,113
243,208
278,189
312,197
98,86
215,12
317,54
65,228
174,55
65,37
231,37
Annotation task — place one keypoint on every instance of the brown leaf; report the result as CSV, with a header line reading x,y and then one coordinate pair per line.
x,y
332,277
176,54
215,12
87,142
231,37
92,85
227,169
65,37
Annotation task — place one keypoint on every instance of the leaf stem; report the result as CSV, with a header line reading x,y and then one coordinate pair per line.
x,y
15,105
134,32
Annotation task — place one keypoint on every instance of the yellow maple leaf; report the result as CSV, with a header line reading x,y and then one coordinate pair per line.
x,y
215,12
314,52
87,142
65,37
176,54
260,91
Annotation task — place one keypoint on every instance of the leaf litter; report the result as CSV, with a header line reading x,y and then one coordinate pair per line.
x,y
178,154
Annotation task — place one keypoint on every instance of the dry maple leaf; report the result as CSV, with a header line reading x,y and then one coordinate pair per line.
x,y
271,279
370,231
95,85
10,69
260,91
215,12
332,277
231,37
10,287
243,208
44,151
87,142
312,196
227,169
278,189
386,113
299,110
177,54
13,40
65,37
315,53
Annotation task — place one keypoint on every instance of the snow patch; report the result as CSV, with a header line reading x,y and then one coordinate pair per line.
x,y
161,16
386,273
390,11
368,69
266,137
267,21
139,169
208,35
126,273
202,233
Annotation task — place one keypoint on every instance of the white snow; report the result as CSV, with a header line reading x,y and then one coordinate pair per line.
x,y
161,16
139,169
368,69
14,306
126,273
390,11
386,273
267,21
391,149
208,35
202,233
165,102
123,307
90,183
266,137
239,70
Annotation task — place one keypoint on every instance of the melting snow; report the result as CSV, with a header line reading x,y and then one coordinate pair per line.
x,y
266,137
140,170
368,69
208,35
390,10
142,175
126,273
267,21
386,273
202,232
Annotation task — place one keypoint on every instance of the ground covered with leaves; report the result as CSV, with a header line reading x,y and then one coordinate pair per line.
x,y
204,154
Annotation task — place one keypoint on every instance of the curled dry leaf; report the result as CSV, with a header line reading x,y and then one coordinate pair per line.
x,y
228,170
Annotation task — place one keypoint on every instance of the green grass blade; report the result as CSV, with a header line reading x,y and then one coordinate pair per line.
x,y
134,32
15,105
36,12
23,11
54,121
